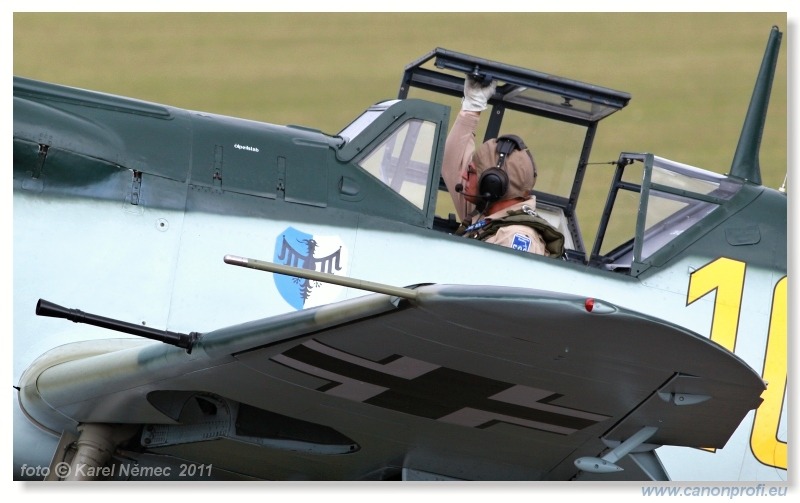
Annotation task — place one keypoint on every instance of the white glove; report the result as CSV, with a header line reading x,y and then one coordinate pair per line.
x,y
476,96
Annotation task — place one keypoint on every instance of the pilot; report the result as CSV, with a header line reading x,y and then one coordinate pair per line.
x,y
490,185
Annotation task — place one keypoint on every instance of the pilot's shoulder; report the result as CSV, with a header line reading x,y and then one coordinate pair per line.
x,y
519,237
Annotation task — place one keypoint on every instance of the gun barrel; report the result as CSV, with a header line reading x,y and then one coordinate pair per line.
x,y
46,308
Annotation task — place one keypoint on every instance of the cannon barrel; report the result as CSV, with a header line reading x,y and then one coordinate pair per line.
x,y
186,341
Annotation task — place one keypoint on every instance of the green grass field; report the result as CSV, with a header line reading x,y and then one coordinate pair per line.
x,y
691,75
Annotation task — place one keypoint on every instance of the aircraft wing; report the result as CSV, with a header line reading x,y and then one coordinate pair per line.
x,y
468,382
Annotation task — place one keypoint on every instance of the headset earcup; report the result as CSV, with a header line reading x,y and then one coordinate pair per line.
x,y
493,184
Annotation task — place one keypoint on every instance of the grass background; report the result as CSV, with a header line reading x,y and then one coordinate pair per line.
x,y
690,74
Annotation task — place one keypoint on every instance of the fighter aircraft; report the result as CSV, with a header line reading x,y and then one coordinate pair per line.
x,y
263,302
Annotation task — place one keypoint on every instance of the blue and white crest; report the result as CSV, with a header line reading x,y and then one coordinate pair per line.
x,y
315,253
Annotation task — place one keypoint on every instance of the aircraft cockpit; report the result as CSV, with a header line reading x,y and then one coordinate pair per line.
x,y
556,117
651,201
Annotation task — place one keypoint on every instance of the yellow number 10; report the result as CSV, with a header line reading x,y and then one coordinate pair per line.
x,y
726,277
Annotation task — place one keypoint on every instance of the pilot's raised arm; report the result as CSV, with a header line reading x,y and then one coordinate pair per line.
x,y
460,144
490,185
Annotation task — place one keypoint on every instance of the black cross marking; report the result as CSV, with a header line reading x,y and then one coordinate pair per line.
x,y
437,393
